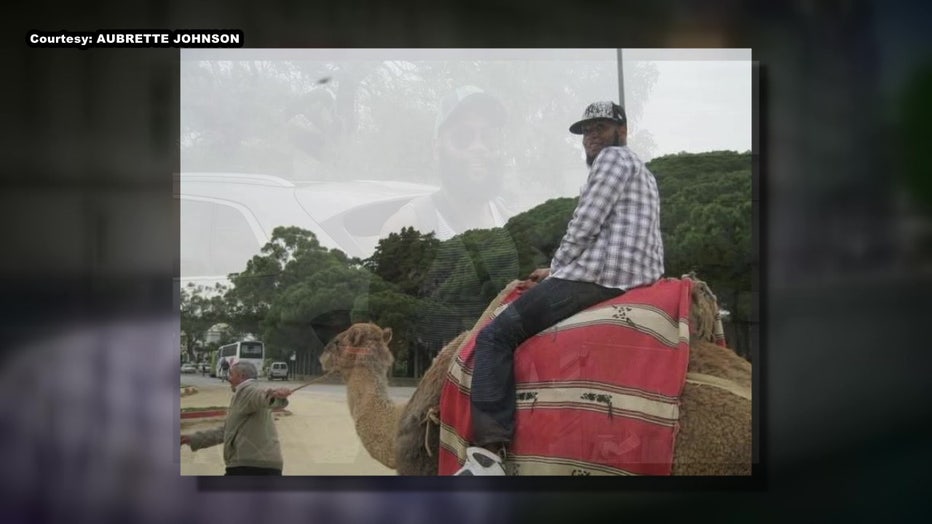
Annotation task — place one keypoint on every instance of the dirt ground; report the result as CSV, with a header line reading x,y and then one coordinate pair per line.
x,y
316,434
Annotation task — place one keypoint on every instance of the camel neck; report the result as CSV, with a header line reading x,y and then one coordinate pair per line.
x,y
374,414
367,391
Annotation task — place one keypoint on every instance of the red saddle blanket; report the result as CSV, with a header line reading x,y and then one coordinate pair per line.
x,y
597,394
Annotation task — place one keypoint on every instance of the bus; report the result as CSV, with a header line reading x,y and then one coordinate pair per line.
x,y
245,350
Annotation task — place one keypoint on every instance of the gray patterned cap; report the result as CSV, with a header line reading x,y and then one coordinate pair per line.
x,y
603,110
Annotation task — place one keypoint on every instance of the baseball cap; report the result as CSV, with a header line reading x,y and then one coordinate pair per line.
x,y
602,110
469,97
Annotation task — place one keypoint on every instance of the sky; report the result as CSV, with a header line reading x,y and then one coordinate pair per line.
x,y
702,100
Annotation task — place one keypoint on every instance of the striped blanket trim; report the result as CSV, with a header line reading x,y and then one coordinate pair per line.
x,y
646,319
604,397
734,388
597,394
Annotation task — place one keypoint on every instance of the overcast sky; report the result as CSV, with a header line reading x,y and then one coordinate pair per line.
x,y
702,100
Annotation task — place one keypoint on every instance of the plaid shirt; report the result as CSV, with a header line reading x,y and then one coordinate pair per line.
x,y
614,238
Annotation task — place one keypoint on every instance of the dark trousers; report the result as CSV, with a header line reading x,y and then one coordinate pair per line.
x,y
249,470
493,379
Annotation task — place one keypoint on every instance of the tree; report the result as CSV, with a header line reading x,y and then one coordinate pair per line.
x,y
404,258
309,119
469,270
398,311
291,255
215,138
307,314
706,226
438,289
200,310
538,232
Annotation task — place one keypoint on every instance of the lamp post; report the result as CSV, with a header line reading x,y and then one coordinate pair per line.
x,y
621,80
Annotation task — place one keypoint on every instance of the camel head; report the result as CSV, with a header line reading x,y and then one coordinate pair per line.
x,y
362,344
704,312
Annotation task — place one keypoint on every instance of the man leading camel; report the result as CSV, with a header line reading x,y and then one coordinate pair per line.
x,y
250,442
612,244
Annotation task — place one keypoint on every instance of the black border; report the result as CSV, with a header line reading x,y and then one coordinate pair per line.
x,y
568,484
872,472
759,283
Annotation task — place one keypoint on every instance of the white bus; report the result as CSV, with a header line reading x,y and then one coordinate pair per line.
x,y
245,350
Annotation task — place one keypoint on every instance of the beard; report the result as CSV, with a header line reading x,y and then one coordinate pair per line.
x,y
482,185
616,143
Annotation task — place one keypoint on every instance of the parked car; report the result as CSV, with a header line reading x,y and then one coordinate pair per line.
x,y
188,368
278,370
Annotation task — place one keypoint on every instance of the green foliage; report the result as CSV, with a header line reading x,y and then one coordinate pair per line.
x,y
431,290
469,260
201,309
404,258
705,218
538,232
291,255
391,309
308,313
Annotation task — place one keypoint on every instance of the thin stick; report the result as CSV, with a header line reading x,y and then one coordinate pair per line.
x,y
313,381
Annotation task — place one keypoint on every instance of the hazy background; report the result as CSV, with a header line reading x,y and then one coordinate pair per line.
x,y
345,114
91,242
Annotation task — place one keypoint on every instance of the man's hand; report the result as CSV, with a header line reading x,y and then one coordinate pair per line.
x,y
539,274
185,439
278,393
534,278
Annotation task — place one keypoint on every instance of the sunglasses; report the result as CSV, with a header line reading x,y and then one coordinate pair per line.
x,y
464,136
598,127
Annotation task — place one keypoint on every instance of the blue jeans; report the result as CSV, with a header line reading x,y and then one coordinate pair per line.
x,y
493,379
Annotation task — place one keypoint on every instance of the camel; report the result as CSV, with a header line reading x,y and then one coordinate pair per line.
x,y
714,435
